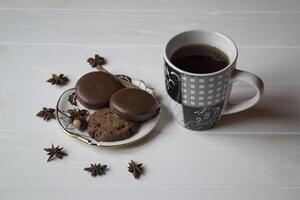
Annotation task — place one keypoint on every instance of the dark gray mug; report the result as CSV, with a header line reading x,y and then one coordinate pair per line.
x,y
199,100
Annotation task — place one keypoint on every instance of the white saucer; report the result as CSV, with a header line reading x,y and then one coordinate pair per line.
x,y
64,123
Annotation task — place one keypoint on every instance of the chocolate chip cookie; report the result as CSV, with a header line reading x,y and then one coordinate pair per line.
x,y
104,125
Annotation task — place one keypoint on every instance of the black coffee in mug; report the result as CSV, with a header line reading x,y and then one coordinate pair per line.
x,y
199,59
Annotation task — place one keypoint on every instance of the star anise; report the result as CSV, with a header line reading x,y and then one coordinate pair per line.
x,y
78,118
73,99
96,169
55,152
58,79
46,113
75,113
96,61
80,123
136,169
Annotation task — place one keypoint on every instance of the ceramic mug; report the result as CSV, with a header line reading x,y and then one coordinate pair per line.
x,y
198,101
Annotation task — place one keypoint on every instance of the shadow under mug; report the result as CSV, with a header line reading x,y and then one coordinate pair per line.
x,y
198,101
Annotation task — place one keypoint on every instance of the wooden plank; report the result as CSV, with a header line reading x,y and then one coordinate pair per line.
x,y
119,28
33,64
158,5
171,159
93,191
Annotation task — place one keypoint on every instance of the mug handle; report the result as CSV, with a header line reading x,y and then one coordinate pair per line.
x,y
253,80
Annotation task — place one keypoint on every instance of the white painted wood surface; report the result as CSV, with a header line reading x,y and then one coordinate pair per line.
x,y
251,155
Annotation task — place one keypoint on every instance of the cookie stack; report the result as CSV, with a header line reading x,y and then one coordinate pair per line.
x,y
118,110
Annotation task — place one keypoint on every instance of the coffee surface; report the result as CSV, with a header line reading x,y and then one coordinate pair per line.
x,y
199,59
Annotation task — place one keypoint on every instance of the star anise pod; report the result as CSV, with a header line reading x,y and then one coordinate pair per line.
x,y
76,113
96,169
73,99
96,61
78,118
136,169
55,152
46,113
80,123
58,79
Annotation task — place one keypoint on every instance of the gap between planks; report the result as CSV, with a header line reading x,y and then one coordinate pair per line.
x,y
132,45
212,12
171,185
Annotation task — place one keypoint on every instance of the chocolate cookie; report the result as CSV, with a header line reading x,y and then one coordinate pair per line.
x,y
105,126
134,104
94,89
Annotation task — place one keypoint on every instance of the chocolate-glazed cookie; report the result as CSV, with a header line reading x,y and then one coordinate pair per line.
x,y
106,126
134,104
94,89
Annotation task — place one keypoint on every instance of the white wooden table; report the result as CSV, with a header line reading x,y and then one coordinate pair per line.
x,y
251,155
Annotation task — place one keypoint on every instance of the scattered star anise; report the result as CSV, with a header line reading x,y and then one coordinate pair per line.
x,y
96,169
55,152
73,99
136,169
46,113
96,61
58,79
